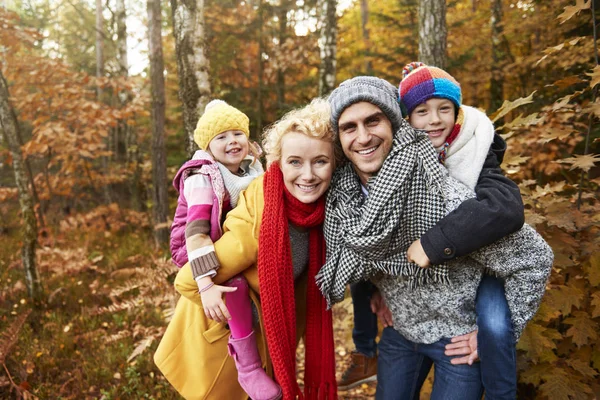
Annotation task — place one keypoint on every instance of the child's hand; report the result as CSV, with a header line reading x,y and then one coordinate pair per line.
x,y
416,254
214,306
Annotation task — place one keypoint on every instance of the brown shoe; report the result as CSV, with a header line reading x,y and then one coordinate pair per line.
x,y
363,369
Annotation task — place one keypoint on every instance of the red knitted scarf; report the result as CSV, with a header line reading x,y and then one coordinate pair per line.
x,y
275,274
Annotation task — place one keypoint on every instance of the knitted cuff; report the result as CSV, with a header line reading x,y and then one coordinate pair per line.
x,y
204,264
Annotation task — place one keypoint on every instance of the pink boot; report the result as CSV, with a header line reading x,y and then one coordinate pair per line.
x,y
252,378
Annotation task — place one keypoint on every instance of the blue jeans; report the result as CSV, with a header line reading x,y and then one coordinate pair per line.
x,y
365,322
403,366
495,341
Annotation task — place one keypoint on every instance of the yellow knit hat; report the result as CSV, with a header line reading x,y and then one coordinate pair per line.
x,y
219,117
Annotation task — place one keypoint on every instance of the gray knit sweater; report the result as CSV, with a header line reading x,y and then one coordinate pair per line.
x,y
428,313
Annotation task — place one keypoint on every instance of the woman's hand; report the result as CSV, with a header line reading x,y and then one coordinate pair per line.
x,y
416,254
214,306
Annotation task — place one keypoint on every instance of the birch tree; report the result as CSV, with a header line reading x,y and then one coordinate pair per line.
x,y
159,155
121,18
498,57
10,128
433,34
192,64
327,45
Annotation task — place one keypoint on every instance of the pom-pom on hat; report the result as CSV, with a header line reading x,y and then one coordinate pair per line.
x,y
421,82
369,89
219,117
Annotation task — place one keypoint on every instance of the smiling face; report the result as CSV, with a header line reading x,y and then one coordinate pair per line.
x,y
365,134
437,117
307,165
229,148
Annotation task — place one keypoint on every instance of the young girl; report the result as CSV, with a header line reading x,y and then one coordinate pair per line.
x,y
209,185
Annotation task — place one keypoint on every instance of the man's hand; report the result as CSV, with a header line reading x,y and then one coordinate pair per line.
x,y
416,254
379,307
214,306
463,345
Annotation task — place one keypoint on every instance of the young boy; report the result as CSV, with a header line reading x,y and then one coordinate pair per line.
x,y
462,136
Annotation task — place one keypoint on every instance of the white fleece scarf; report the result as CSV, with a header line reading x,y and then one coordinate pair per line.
x,y
467,153
236,183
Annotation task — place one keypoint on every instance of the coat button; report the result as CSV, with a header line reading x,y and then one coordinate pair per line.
x,y
448,251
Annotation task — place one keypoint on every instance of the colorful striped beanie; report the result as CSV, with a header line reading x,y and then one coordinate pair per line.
x,y
421,82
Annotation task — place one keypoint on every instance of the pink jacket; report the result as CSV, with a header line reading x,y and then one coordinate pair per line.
x,y
177,243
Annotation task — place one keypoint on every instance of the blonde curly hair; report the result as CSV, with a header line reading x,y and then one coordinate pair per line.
x,y
312,120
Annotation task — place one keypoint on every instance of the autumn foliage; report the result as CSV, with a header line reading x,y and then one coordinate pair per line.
x,y
86,142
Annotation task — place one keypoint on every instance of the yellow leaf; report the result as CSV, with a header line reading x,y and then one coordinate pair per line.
x,y
582,328
536,373
562,102
560,385
516,160
564,298
596,304
142,345
508,106
521,121
570,11
595,76
582,162
567,82
554,49
593,269
582,367
538,341
559,132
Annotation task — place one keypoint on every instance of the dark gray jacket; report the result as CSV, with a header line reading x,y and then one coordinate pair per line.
x,y
495,213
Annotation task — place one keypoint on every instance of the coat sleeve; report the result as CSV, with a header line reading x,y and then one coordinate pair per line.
x,y
236,250
497,211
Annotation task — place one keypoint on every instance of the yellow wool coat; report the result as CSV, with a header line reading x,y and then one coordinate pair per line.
x,y
192,354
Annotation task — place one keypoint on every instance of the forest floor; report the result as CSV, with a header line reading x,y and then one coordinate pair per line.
x,y
108,298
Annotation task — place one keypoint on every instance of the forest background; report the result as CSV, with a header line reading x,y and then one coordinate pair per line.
x,y
97,104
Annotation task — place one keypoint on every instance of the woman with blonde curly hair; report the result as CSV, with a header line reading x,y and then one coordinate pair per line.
x,y
273,238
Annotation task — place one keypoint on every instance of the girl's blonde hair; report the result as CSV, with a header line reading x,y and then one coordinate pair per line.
x,y
312,120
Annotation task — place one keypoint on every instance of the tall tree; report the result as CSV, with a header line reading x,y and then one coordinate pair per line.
x,y
192,64
10,127
99,44
433,34
282,12
364,13
261,66
121,18
327,45
498,57
159,154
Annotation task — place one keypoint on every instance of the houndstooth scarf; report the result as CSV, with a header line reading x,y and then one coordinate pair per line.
x,y
367,236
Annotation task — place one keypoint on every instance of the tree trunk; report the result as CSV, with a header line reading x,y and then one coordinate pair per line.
x,y
259,86
364,13
192,63
10,127
498,57
159,154
327,46
121,17
282,16
99,44
433,34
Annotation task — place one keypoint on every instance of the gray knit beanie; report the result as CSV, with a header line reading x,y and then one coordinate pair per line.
x,y
366,88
